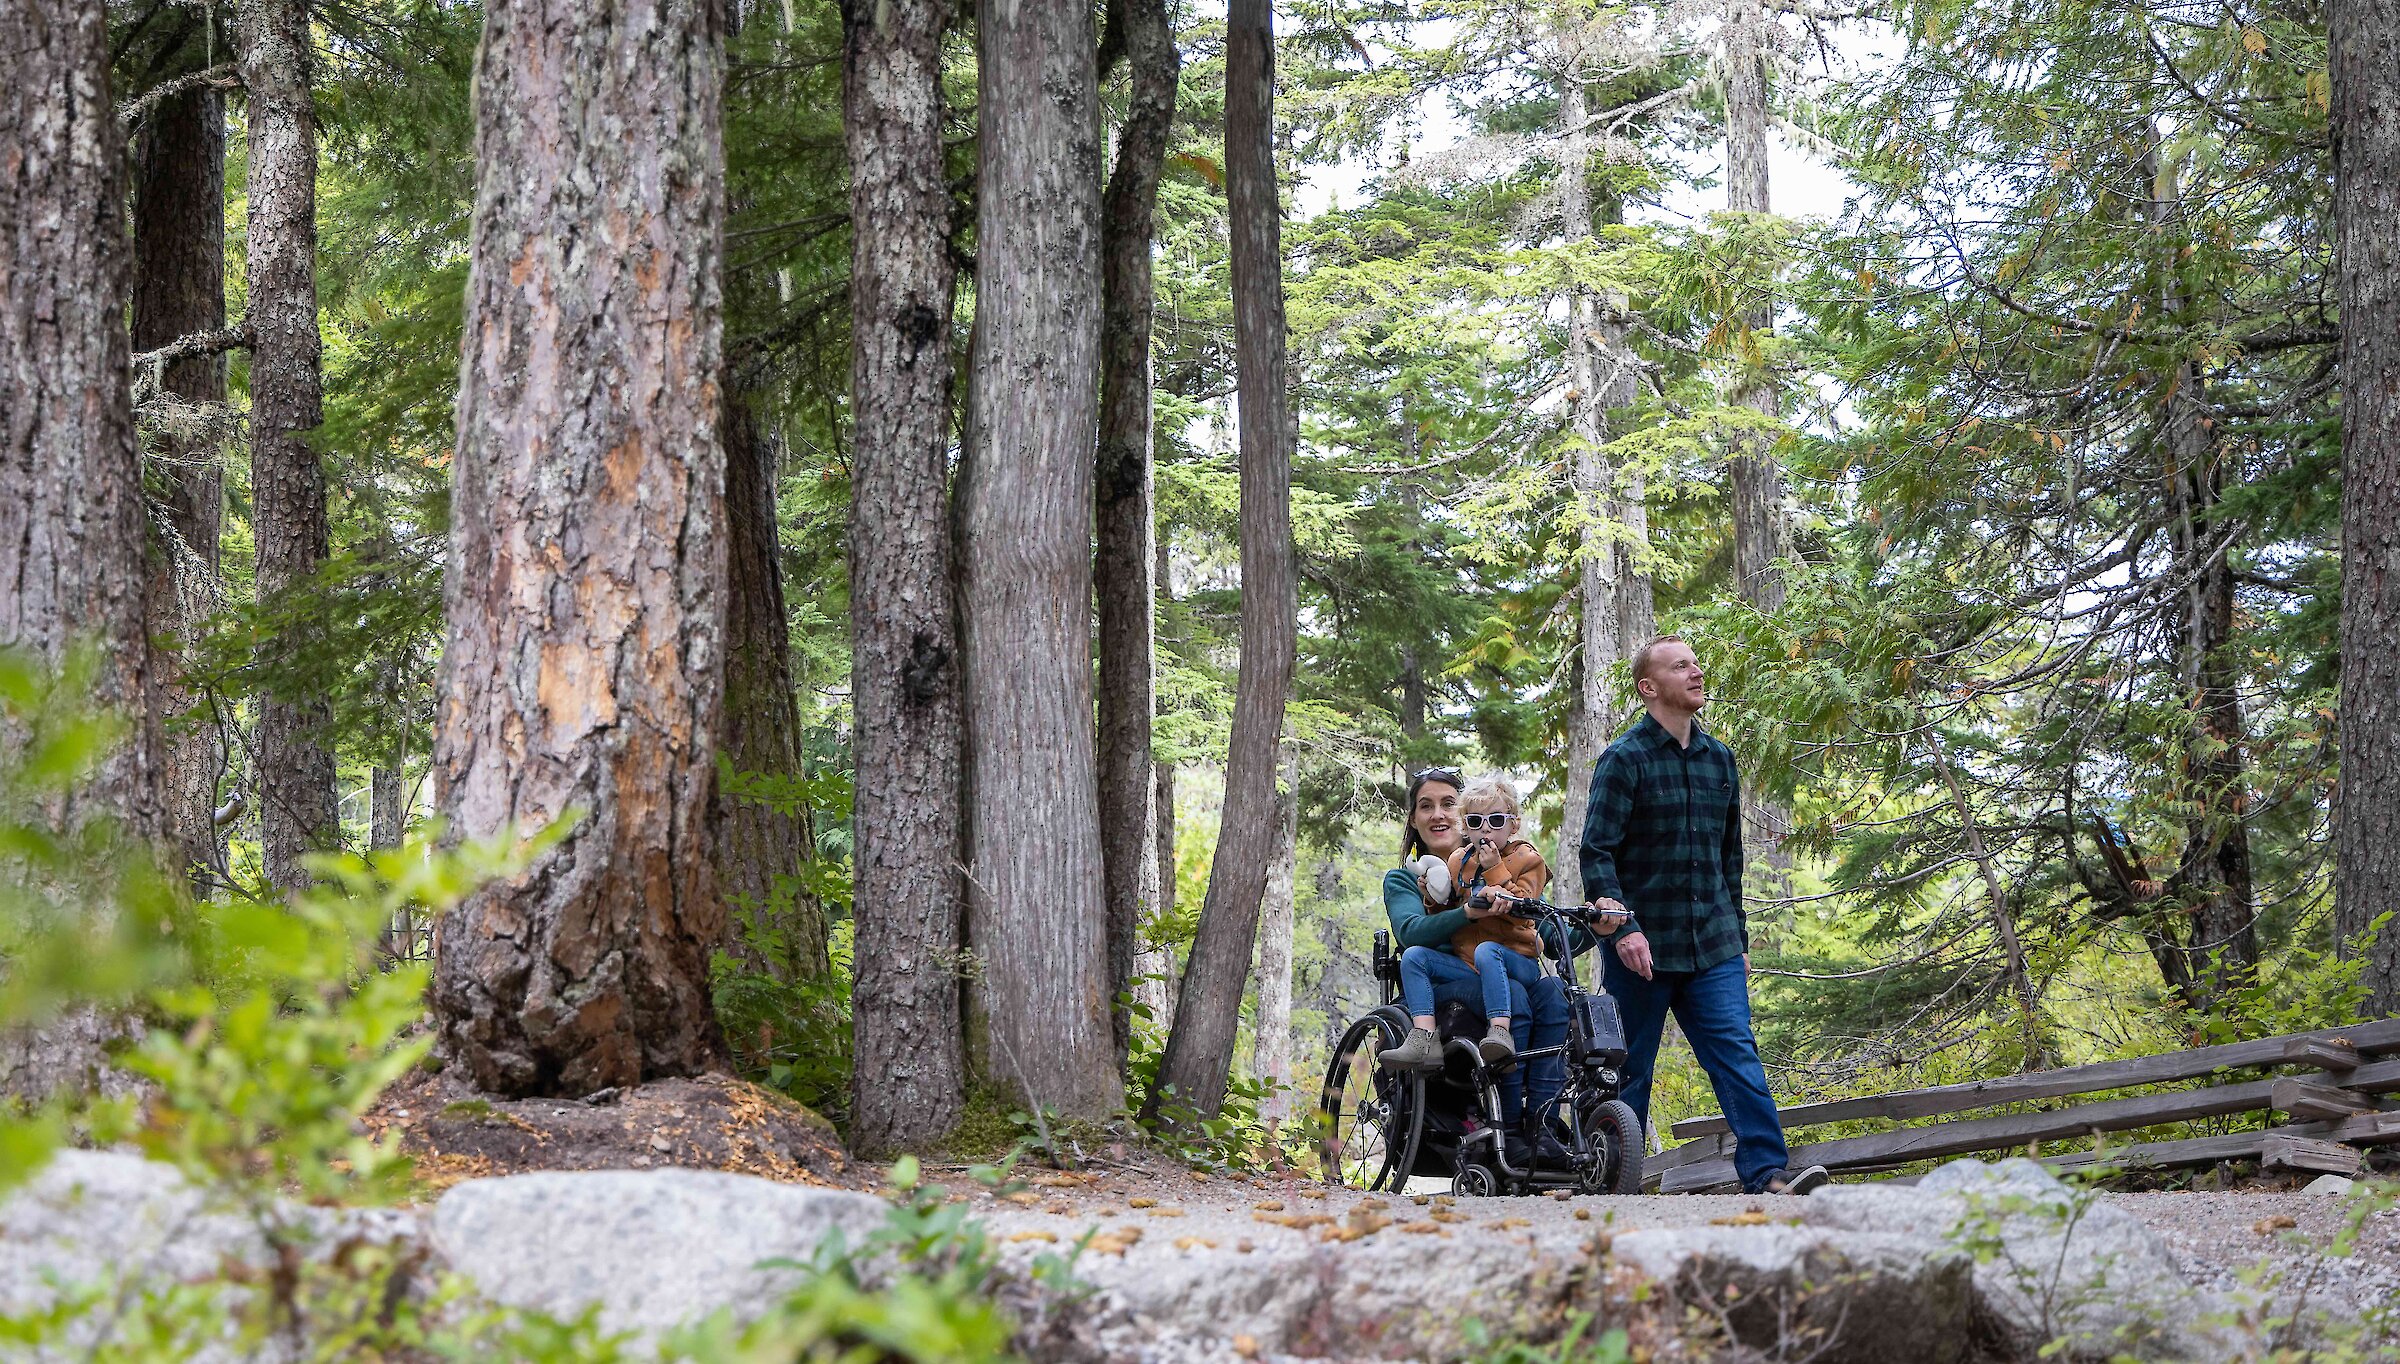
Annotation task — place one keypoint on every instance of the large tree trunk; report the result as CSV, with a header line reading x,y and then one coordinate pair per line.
x,y
909,1077
2365,61
1758,527
1200,1052
297,812
1612,593
1037,914
1278,912
1757,479
760,844
1126,555
587,572
179,290
72,569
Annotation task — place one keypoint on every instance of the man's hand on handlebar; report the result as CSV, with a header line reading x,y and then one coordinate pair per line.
x,y
1606,916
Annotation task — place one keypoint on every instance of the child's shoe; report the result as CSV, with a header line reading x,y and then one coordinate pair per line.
x,y
1422,1051
1498,1047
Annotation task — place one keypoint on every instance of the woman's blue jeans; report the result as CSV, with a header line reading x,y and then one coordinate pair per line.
x,y
1537,1014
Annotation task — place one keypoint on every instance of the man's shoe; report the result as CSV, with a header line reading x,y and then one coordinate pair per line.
x,y
1796,1181
1422,1051
1498,1047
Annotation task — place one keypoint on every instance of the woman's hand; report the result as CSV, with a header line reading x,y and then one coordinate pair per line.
x,y
1485,907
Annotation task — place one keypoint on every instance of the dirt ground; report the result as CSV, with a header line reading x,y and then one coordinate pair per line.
x,y
711,1123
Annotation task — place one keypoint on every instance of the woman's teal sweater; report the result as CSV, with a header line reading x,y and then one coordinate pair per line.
x,y
1413,925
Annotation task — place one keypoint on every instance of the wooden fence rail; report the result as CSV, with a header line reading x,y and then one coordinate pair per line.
x,y
2335,1099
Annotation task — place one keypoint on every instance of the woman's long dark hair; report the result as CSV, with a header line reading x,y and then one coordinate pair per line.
x,y
1410,844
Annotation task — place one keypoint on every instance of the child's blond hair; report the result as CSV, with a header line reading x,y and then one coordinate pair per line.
x,y
1485,793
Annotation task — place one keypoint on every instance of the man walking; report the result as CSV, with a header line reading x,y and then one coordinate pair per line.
x,y
1663,842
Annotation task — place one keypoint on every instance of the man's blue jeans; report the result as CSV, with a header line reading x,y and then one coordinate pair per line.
x,y
1537,1017
1713,1006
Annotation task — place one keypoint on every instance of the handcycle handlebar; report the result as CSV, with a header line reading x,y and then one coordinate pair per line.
x,y
1520,907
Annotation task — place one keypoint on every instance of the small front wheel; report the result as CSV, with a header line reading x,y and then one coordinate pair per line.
x,y
1474,1181
1615,1135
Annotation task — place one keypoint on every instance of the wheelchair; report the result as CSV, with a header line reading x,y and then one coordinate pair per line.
x,y
1382,1128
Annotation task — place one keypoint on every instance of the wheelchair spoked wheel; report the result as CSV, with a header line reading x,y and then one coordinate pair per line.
x,y
1372,1117
1612,1129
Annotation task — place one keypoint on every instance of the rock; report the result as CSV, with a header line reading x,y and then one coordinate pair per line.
x,y
653,1249
109,1219
2330,1184
2051,1265
1830,1295
1385,1295
88,1214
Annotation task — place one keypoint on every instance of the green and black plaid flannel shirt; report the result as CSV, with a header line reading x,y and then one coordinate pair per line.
x,y
1663,837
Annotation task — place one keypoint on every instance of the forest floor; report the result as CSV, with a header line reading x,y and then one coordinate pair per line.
x,y
712,1123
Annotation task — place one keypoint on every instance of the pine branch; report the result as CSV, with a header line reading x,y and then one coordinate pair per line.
x,y
197,344
131,113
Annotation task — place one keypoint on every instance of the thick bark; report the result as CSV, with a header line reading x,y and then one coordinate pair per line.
x,y
1758,525
909,1083
1037,904
1200,1051
72,564
297,811
586,580
1278,909
1612,593
72,570
1122,484
759,845
2365,65
1757,479
179,291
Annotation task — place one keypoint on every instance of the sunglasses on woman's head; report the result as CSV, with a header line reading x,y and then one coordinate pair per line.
x,y
1492,822
1448,776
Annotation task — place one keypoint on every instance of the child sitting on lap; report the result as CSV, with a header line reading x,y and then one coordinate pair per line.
x,y
1493,867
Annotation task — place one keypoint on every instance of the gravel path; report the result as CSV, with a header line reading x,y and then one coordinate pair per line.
x,y
2216,1238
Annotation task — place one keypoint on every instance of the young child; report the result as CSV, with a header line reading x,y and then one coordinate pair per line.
x,y
1493,861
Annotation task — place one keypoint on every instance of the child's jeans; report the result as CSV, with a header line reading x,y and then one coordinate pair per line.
x,y
1424,970
1536,1009
1498,966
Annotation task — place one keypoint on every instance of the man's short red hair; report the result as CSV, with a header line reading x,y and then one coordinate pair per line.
x,y
1641,657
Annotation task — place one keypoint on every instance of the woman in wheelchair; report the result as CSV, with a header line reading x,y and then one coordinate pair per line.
x,y
1469,1119
1494,947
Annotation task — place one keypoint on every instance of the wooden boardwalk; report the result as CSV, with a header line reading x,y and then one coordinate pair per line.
x,y
2329,1098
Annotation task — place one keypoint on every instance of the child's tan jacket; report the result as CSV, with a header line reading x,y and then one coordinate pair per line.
x,y
1516,870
